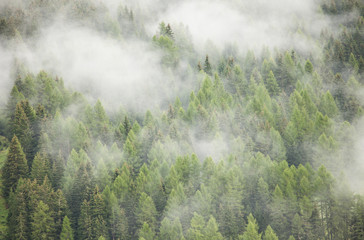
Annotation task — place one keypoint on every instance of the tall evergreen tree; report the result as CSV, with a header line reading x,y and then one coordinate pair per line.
x,y
251,232
42,223
146,211
207,66
40,167
67,233
269,234
21,127
15,167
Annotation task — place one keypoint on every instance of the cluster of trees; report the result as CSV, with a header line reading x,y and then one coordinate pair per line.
x,y
286,119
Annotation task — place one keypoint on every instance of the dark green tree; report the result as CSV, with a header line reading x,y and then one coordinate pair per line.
x,y
308,67
207,66
15,167
40,167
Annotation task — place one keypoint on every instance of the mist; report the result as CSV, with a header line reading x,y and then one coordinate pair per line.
x,y
128,72
6,82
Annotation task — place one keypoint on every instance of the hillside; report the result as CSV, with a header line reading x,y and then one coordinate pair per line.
x,y
157,120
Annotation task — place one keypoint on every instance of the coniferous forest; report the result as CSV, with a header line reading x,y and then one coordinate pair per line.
x,y
171,120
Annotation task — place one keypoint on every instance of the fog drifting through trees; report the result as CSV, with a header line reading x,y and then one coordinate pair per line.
x,y
181,119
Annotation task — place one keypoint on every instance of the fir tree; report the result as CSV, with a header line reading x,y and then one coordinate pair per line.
x,y
272,84
269,234
146,211
40,167
42,222
207,66
308,67
15,166
21,127
169,32
171,229
251,232
67,233
146,232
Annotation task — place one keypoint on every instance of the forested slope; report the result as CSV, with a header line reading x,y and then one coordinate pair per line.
x,y
213,142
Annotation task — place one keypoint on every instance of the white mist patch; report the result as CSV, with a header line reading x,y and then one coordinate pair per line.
x,y
216,148
118,72
355,171
250,24
6,61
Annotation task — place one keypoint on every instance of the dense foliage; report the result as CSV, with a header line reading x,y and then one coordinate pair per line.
x,y
278,126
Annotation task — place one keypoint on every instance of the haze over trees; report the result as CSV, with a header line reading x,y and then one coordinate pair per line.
x,y
119,122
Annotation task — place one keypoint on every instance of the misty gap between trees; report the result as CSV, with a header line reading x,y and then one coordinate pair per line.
x,y
182,120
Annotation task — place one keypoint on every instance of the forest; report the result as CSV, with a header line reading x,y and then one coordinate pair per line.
x,y
181,120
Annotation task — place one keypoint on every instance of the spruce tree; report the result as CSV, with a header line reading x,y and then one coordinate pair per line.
x,y
98,215
57,171
207,67
42,222
126,127
171,229
269,234
18,216
118,223
211,231
40,167
251,232
146,232
15,166
308,67
272,84
67,233
84,226
21,127
14,98
169,32
146,211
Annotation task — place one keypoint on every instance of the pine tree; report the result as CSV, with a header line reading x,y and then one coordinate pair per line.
x,y
270,234
98,215
84,225
118,223
197,227
146,232
171,229
59,206
211,231
57,171
146,211
42,222
251,232
18,224
126,127
15,166
353,63
80,190
308,67
67,233
14,98
101,123
169,32
272,84
132,152
40,167
207,67
21,127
